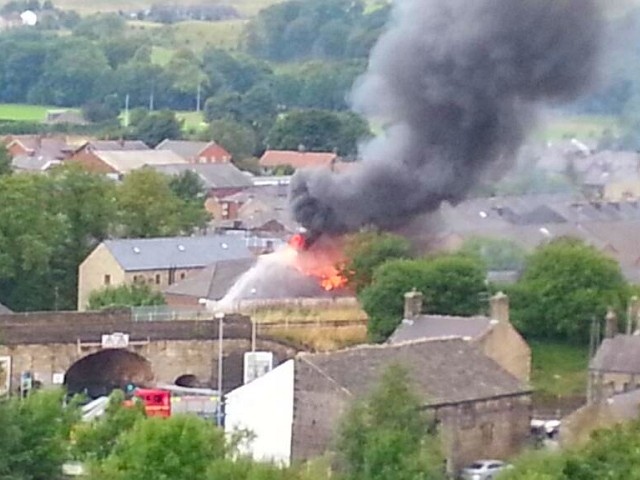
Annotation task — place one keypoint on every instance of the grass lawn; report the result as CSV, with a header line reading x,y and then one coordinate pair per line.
x,y
559,371
198,36
582,127
192,120
25,113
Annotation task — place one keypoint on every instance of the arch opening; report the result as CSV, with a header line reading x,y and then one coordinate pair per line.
x,y
99,373
188,380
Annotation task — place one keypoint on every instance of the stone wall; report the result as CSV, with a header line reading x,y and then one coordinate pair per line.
x,y
496,428
505,345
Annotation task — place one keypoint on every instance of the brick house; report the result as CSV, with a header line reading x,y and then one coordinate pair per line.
x,y
196,152
117,163
294,411
157,262
495,335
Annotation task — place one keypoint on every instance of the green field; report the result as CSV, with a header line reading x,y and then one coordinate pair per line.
x,y
192,120
558,371
581,127
25,113
200,35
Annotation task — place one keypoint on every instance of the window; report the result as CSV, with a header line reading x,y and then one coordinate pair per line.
x,y
107,279
487,435
182,275
157,279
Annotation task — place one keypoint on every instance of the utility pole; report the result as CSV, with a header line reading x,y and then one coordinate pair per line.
x,y
198,97
126,110
220,317
253,320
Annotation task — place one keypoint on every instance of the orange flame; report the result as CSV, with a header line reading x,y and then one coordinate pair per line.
x,y
320,263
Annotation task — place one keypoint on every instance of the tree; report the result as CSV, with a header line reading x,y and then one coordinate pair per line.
x,y
35,430
135,295
565,284
317,131
96,440
179,448
188,186
366,251
541,465
106,110
158,126
149,208
5,161
386,436
451,285
237,139
497,253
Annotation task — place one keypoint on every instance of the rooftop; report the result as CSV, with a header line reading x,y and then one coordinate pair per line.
x,y
214,281
443,371
176,252
296,159
125,161
620,354
213,175
186,149
438,326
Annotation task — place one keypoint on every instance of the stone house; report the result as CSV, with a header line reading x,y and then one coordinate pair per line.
x,y
495,335
196,152
117,163
479,409
157,262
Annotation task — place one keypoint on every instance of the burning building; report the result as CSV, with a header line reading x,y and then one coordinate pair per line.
x,y
457,83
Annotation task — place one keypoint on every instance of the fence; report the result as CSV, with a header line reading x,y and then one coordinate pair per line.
x,y
159,313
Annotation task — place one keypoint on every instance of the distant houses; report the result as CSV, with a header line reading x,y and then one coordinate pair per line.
x,y
196,152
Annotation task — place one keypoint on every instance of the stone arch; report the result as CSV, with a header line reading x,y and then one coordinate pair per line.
x,y
99,373
187,380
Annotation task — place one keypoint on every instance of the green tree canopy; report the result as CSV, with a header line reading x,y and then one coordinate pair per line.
x,y
135,295
149,208
565,284
5,161
157,126
366,251
236,138
188,186
451,285
497,253
34,439
177,448
386,436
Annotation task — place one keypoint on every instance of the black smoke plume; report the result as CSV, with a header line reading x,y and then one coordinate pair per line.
x,y
457,82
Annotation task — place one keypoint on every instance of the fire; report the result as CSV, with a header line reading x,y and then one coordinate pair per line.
x,y
319,260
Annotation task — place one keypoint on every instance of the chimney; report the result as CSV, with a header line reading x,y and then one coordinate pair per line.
x,y
611,323
632,315
412,304
500,307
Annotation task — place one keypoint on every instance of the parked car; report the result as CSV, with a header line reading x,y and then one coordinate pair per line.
x,y
484,470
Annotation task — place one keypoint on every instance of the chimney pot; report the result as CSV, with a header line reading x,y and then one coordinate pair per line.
x,y
500,307
412,304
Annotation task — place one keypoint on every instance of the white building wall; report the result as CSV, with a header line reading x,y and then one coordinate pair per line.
x,y
264,407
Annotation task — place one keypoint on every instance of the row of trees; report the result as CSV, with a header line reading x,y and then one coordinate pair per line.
x,y
565,284
385,435
49,224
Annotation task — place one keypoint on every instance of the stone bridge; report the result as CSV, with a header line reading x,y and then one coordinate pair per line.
x,y
69,348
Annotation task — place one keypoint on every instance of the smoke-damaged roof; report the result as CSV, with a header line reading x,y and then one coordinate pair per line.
x,y
135,254
442,371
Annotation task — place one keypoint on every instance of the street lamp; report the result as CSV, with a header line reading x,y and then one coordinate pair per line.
x,y
219,316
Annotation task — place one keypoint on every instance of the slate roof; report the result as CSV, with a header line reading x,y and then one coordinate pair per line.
x,y
51,148
214,281
620,354
29,163
185,149
176,252
442,371
439,326
213,175
112,145
125,161
275,158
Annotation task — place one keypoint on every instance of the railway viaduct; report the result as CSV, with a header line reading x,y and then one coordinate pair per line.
x,y
78,349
